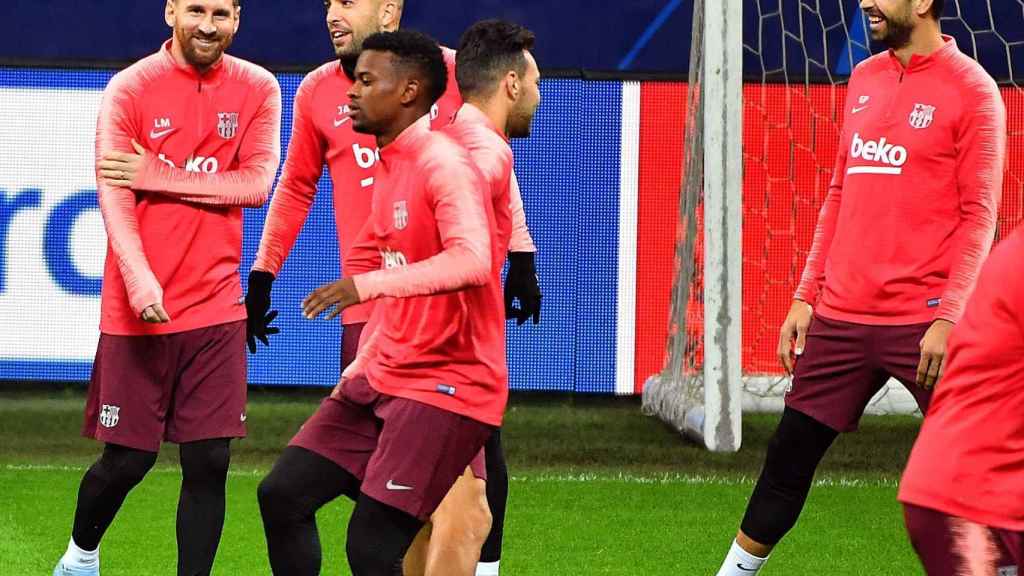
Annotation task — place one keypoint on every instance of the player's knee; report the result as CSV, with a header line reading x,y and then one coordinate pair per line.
x,y
125,466
367,557
793,455
206,461
466,519
277,498
796,449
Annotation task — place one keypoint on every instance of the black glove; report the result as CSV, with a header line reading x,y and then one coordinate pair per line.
x,y
257,303
522,284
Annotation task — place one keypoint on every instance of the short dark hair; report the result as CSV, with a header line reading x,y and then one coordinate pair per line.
x,y
937,7
487,51
414,50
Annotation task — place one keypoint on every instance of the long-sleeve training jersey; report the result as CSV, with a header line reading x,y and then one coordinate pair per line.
x,y
438,331
911,212
322,134
213,147
968,460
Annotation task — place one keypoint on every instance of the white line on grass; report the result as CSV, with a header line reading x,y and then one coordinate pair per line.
x,y
583,477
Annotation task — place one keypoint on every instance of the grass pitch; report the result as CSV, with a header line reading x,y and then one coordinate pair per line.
x,y
597,489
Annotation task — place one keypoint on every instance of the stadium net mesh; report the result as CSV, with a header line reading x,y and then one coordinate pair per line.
x,y
797,58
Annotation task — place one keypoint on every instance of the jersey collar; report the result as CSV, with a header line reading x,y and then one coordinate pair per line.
x,y
212,76
918,62
407,141
469,113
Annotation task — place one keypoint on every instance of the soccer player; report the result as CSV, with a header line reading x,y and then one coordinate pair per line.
x,y
963,489
186,138
908,219
322,134
499,79
429,385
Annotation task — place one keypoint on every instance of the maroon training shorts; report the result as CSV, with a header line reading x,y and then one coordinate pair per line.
x,y
406,454
180,387
951,546
844,365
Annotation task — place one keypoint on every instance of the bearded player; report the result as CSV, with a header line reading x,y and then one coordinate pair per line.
x,y
907,222
186,138
322,134
429,385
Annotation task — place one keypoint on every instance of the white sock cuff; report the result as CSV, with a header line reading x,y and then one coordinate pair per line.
x,y
75,556
745,556
487,568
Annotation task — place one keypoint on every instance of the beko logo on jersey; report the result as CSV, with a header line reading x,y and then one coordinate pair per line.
x,y
365,159
203,164
393,259
890,156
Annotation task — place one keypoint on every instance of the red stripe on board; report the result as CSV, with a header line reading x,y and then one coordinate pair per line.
x,y
662,107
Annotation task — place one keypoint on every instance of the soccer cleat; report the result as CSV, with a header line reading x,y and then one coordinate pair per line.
x,y
64,570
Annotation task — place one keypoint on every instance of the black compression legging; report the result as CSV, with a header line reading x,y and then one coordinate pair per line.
x,y
103,490
799,444
300,483
497,497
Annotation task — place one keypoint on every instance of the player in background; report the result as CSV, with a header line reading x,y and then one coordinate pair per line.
x,y
499,79
186,138
908,220
429,385
963,489
322,134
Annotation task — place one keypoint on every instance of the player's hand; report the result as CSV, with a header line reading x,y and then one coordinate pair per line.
x,y
155,314
257,308
933,353
121,168
522,284
340,294
794,332
337,392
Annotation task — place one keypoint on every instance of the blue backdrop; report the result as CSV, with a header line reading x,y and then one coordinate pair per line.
x,y
639,35
52,243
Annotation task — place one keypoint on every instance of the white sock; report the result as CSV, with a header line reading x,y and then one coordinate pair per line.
x,y
487,568
77,558
739,562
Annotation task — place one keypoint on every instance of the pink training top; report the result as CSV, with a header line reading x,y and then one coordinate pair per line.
x,y
213,143
969,457
438,333
911,212
322,134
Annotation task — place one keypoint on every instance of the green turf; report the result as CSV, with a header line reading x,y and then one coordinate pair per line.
x,y
597,489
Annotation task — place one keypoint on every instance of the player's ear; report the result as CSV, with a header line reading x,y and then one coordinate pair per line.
x,y
411,92
923,7
169,13
238,18
513,85
389,15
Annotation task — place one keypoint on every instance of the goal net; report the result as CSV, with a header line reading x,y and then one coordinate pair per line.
x,y
796,60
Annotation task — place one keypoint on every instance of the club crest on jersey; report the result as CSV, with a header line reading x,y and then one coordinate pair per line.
x,y
922,116
227,124
401,215
108,415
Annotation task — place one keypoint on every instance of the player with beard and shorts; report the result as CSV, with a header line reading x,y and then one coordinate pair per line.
x,y
500,82
908,220
322,135
186,138
429,384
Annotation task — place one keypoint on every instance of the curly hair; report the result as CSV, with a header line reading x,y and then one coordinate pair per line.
x,y
417,52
